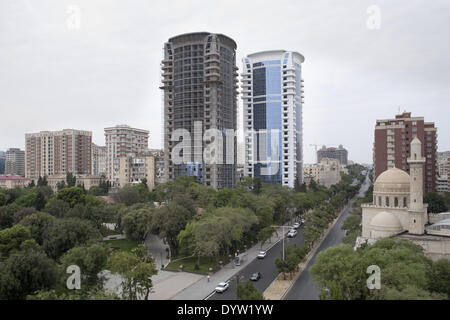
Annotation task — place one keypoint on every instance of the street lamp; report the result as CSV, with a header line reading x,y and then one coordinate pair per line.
x,y
283,226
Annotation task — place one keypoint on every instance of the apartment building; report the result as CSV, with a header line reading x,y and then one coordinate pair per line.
x,y
135,168
392,146
58,152
339,153
120,141
272,94
99,157
200,93
326,173
15,162
2,162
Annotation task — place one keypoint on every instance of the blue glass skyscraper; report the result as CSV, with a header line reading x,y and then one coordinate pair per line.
x,y
272,99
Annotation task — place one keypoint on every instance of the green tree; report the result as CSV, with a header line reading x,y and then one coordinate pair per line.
x,y
23,273
436,202
265,234
3,199
136,224
247,291
71,180
257,185
72,196
64,234
38,223
57,207
169,221
136,269
440,277
91,260
12,238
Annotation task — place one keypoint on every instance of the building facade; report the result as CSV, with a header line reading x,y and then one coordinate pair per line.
x,y
272,93
85,180
135,168
200,98
339,153
99,156
58,152
326,173
122,140
11,181
392,146
2,162
160,174
15,162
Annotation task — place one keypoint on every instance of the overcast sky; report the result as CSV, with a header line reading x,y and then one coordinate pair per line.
x,y
107,71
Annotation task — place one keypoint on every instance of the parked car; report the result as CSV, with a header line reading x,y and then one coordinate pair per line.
x,y
222,287
256,276
302,221
292,233
261,255
296,225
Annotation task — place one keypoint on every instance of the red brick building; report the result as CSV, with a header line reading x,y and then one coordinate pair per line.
x,y
392,145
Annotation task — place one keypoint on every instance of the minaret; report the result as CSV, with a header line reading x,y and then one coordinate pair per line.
x,y
417,211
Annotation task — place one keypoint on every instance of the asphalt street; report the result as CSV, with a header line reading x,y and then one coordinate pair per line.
x,y
266,266
304,288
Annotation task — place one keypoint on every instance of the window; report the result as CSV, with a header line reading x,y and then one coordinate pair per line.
x,y
396,202
405,202
387,201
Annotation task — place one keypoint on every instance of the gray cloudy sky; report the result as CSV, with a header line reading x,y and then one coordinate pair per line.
x,y
108,71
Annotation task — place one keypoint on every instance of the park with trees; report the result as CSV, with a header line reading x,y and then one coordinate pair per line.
x,y
42,232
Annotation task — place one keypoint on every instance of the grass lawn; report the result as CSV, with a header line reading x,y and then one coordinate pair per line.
x,y
189,264
107,232
122,244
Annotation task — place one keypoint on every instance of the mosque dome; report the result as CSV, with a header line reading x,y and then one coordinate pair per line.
x,y
385,224
392,181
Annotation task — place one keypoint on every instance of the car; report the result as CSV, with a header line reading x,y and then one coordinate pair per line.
x,y
296,225
261,255
292,233
302,221
256,276
222,287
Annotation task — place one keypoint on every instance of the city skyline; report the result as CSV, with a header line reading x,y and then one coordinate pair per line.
x,y
112,63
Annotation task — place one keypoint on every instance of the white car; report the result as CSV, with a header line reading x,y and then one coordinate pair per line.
x,y
292,233
261,255
222,287
296,225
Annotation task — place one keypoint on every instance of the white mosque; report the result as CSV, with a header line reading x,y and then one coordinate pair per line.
x,y
398,210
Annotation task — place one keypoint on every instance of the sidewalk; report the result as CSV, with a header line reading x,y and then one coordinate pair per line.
x,y
202,288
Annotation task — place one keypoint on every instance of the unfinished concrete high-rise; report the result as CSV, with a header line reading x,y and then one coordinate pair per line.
x,y
200,93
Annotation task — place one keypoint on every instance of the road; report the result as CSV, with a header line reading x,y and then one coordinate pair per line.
x,y
304,289
266,266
